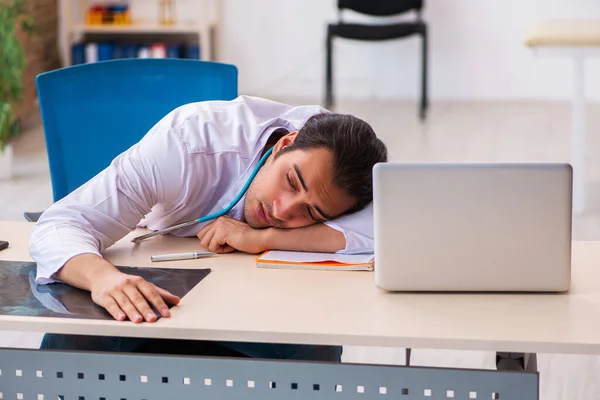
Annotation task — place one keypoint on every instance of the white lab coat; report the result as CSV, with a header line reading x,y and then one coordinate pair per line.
x,y
192,163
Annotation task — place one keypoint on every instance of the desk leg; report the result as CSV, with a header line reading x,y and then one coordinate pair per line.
x,y
516,361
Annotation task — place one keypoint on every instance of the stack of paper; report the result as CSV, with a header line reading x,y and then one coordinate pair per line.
x,y
324,261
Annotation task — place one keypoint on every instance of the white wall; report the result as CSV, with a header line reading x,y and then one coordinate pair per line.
x,y
476,50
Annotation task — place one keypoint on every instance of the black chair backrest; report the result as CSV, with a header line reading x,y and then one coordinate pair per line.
x,y
380,7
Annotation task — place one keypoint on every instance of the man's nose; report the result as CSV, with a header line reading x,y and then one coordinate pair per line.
x,y
284,209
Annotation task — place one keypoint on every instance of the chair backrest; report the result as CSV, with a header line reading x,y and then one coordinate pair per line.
x,y
93,112
380,8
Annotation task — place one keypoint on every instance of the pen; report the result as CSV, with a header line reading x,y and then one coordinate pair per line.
x,y
182,256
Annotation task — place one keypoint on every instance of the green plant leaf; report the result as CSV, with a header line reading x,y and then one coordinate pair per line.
x,y
12,62
7,124
28,24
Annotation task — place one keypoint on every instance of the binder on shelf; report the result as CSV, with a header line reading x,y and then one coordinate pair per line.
x,y
173,51
91,52
105,51
144,52
193,52
118,51
130,51
158,50
77,54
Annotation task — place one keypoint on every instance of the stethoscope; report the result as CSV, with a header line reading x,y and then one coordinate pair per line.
x,y
214,215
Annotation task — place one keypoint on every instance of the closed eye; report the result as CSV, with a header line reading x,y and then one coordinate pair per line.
x,y
290,182
308,209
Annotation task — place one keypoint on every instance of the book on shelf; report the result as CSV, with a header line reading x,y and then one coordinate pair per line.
x,y
91,52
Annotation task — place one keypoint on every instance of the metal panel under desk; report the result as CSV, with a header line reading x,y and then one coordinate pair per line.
x,y
48,375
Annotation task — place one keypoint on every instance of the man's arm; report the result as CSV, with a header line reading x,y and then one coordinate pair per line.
x,y
68,240
123,296
350,234
358,231
316,238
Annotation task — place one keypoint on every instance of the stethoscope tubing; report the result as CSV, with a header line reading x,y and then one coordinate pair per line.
x,y
209,217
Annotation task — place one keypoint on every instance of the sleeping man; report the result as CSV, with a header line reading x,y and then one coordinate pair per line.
x,y
313,193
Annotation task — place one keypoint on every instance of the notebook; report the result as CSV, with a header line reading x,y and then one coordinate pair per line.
x,y
318,261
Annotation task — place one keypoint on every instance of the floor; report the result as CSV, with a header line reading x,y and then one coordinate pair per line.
x,y
454,131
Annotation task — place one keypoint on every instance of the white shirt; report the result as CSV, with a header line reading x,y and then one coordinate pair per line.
x,y
193,162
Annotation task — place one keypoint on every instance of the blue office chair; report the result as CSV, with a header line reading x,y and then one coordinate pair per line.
x,y
93,112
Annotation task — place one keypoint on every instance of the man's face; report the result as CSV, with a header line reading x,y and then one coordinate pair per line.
x,y
295,189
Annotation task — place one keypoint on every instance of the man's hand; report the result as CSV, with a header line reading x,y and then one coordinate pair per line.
x,y
123,296
128,296
225,235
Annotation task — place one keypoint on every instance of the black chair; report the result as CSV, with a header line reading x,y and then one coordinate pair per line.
x,y
356,31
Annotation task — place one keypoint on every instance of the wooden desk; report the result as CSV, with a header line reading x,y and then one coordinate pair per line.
x,y
241,302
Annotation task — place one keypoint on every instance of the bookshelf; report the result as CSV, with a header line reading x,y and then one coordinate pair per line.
x,y
204,27
139,27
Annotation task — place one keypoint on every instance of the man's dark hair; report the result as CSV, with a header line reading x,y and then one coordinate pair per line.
x,y
355,148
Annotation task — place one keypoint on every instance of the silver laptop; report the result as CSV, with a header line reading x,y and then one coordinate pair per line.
x,y
472,227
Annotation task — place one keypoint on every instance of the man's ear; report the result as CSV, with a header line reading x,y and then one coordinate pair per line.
x,y
285,141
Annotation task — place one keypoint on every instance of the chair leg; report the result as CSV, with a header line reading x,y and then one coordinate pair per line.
x,y
329,71
424,96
